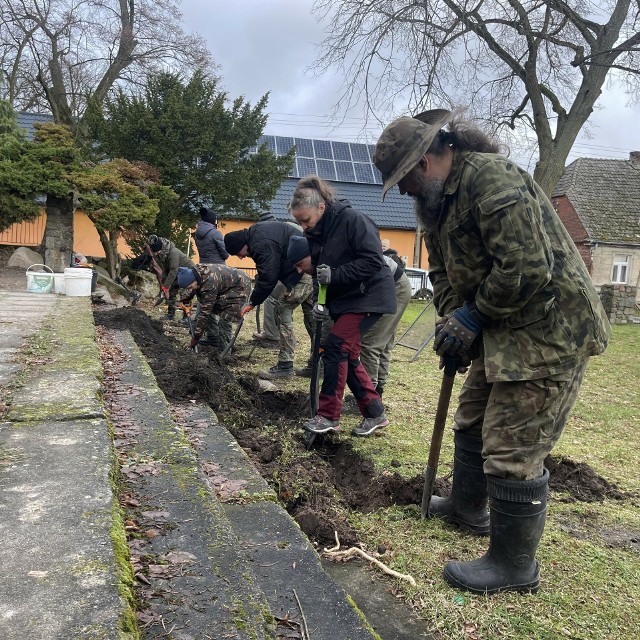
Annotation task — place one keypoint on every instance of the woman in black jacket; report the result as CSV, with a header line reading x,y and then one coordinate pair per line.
x,y
346,255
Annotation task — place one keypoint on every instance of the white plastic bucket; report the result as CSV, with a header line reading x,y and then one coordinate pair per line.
x,y
77,281
58,283
39,281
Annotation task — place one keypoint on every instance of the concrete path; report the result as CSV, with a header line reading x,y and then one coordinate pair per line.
x,y
224,566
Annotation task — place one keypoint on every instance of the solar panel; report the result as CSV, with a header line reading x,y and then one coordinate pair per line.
x,y
306,166
283,145
364,173
359,152
323,149
304,148
326,169
352,160
345,171
270,141
341,151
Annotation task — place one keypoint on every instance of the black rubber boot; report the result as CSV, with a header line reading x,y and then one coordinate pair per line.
x,y
518,514
466,507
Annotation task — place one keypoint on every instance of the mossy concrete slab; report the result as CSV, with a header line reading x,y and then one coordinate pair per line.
x,y
231,472
58,575
214,593
57,395
63,376
284,561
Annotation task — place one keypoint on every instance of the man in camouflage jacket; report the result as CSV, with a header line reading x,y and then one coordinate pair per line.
x,y
519,307
171,258
222,291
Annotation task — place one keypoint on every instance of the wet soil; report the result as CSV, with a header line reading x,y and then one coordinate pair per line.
x,y
317,488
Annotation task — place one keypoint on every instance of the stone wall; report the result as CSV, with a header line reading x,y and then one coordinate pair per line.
x,y
619,301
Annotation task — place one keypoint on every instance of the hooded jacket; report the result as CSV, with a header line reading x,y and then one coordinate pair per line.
x,y
172,258
210,244
348,241
267,243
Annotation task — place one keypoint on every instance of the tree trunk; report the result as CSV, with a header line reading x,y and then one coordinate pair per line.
x,y
58,233
110,245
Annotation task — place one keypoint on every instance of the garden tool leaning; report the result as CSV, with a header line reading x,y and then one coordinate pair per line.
x,y
450,368
309,436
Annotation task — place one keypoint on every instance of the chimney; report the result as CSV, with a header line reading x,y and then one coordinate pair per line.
x,y
634,159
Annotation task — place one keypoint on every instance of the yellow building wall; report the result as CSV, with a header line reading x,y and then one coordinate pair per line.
x,y
87,241
85,237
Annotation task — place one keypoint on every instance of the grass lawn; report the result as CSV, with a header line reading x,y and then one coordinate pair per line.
x,y
590,552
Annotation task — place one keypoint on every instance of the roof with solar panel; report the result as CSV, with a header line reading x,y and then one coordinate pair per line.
x,y
349,167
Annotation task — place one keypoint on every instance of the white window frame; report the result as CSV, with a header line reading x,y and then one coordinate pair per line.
x,y
620,270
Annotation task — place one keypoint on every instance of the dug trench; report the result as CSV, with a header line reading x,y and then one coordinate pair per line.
x,y
316,487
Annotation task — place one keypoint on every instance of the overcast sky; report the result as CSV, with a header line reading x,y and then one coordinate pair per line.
x,y
268,45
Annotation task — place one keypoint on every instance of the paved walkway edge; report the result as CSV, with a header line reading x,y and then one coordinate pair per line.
x,y
65,572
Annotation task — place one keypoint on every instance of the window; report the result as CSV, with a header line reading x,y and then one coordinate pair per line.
x,y
620,269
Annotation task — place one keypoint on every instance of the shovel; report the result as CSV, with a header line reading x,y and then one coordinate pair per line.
x,y
227,349
450,368
187,312
310,437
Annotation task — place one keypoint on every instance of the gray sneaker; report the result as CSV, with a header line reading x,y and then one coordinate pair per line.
x,y
320,424
278,371
370,425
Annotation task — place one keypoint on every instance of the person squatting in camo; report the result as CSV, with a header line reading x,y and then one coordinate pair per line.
x,y
518,305
266,244
222,291
346,256
171,258
210,245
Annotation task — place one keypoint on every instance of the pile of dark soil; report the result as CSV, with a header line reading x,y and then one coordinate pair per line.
x,y
316,487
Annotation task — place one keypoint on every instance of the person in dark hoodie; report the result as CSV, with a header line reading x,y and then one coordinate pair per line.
x,y
209,240
266,244
210,245
346,256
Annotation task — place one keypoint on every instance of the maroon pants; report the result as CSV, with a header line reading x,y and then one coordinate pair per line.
x,y
341,360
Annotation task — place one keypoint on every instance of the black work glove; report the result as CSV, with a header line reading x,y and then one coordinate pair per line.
x,y
459,331
323,273
320,312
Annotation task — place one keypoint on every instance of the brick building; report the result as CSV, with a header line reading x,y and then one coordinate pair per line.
x,y
598,201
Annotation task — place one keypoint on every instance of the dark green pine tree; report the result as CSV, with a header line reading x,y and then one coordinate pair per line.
x,y
199,141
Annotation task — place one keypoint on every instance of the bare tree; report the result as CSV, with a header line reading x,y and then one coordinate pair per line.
x,y
532,66
57,55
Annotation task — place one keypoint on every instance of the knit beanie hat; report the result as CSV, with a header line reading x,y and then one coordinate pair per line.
x,y
186,275
155,244
208,216
235,240
298,249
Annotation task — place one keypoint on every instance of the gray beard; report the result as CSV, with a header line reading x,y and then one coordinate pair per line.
x,y
428,204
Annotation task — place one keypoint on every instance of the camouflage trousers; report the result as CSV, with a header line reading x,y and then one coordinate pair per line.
x,y
519,422
300,295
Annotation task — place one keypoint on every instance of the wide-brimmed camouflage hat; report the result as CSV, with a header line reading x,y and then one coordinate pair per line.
x,y
404,142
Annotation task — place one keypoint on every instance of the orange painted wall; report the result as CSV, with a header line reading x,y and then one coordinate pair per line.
x,y
87,241
85,237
